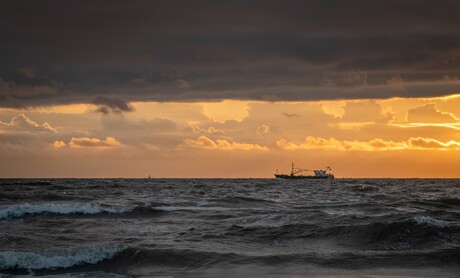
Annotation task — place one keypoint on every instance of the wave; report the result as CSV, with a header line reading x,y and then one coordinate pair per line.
x,y
243,199
85,274
58,258
364,188
25,182
14,211
425,220
115,258
416,232
59,208
450,201
189,208
110,257
17,211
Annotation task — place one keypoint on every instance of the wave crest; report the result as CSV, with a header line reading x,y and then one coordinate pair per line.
x,y
12,211
425,220
420,231
62,258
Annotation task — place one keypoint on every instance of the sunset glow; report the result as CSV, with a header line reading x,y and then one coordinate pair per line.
x,y
206,138
214,138
180,89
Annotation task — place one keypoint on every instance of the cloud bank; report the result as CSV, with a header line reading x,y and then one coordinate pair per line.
x,y
377,144
257,50
107,105
220,144
91,142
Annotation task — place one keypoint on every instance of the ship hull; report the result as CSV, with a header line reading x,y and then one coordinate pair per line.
x,y
279,176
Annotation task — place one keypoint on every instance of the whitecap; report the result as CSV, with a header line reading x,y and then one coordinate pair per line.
x,y
425,220
60,258
8,211
99,274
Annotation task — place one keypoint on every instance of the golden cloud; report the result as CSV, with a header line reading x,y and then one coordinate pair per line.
x,y
93,142
211,130
204,142
263,130
22,123
58,144
429,114
226,110
367,110
377,144
428,143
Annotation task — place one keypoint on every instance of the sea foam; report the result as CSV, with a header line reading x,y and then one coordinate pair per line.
x,y
425,220
61,258
9,211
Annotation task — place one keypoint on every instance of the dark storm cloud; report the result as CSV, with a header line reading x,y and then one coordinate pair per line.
x,y
107,105
207,50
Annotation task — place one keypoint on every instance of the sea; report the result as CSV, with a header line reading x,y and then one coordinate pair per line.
x,y
229,228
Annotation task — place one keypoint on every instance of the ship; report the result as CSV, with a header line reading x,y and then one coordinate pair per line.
x,y
295,171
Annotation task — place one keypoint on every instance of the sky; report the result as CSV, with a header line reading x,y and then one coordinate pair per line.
x,y
229,88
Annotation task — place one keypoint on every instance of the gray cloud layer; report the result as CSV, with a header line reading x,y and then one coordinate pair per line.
x,y
107,105
208,50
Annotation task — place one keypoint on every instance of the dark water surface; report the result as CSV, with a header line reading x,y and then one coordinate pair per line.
x,y
230,227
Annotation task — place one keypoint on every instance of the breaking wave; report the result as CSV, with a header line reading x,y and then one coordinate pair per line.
x,y
112,257
213,226
14,211
61,258
425,220
416,232
17,211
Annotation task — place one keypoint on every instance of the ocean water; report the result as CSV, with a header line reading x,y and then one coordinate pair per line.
x,y
229,228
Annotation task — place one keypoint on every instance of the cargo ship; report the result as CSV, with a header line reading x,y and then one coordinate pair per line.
x,y
295,171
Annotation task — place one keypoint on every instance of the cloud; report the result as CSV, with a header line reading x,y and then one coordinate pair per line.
x,y
290,115
211,130
377,144
334,108
449,78
184,84
429,114
263,130
226,110
204,142
311,143
353,77
365,110
107,105
93,142
28,71
118,123
428,143
11,90
58,144
21,123
276,51
397,83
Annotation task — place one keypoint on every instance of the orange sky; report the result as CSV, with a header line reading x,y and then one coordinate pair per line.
x,y
229,88
397,137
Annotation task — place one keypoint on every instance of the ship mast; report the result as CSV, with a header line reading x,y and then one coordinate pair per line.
x,y
292,169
